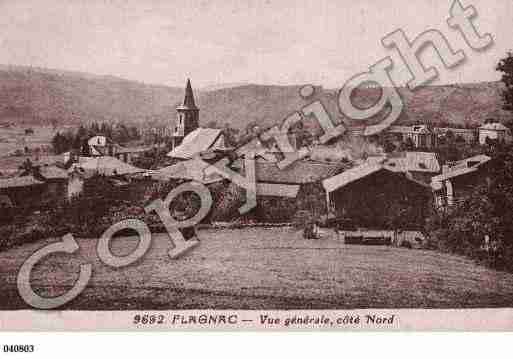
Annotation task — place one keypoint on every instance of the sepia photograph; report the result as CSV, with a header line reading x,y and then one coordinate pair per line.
x,y
256,165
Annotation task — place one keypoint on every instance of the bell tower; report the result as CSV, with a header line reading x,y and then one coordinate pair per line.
x,y
188,116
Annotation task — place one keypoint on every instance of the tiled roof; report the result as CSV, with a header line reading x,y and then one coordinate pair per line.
x,y
193,169
24,181
351,175
297,173
414,162
199,140
356,173
108,166
255,145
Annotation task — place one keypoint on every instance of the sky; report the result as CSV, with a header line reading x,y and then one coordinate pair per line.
x,y
323,42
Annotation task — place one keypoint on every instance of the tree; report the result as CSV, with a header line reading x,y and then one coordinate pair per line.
x,y
122,134
59,143
106,129
27,166
82,132
95,129
407,145
230,135
486,211
134,133
506,67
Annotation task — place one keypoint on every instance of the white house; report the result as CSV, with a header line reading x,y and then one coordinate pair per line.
x,y
420,135
100,141
494,131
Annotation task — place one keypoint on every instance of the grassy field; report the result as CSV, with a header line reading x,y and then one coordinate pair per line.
x,y
14,138
262,269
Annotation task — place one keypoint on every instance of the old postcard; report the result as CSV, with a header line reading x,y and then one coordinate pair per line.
x,y
256,165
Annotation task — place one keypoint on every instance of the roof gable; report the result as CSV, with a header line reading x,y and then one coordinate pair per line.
x,y
359,172
351,175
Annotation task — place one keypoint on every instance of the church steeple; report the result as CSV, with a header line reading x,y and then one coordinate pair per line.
x,y
188,100
188,115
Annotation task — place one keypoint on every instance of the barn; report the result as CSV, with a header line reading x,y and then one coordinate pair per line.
x,y
373,196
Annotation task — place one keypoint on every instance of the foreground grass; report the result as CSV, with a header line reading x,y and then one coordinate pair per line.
x,y
262,269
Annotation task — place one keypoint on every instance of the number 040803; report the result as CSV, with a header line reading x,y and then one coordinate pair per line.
x,y
9,348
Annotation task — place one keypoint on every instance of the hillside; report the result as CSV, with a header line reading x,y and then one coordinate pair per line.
x,y
41,96
468,104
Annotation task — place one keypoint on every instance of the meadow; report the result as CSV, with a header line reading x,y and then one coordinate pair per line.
x,y
261,268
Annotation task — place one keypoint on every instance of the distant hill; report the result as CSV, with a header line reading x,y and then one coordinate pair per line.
x,y
42,96
461,105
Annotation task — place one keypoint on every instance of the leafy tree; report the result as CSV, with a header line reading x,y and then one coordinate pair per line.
x,y
106,129
506,67
385,141
61,143
230,135
486,211
407,145
133,133
95,129
27,166
57,143
82,133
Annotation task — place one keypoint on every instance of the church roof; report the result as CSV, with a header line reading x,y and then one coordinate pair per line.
x,y
199,140
188,101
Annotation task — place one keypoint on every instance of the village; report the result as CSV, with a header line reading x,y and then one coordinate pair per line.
x,y
396,209
380,197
